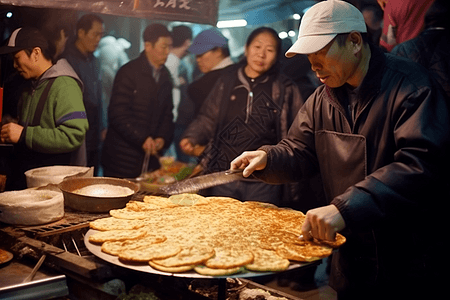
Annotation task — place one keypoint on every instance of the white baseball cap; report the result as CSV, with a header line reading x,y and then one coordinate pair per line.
x,y
322,22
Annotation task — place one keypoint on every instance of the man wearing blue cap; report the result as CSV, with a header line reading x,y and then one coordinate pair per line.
x,y
377,131
212,55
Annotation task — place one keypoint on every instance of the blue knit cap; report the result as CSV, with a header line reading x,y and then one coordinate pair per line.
x,y
207,40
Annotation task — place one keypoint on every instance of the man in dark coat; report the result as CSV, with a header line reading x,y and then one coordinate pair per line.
x,y
140,118
377,131
79,53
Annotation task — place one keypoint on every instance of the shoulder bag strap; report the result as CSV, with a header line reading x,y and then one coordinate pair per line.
x,y
41,103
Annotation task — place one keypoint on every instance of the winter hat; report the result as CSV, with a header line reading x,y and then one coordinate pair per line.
x,y
207,40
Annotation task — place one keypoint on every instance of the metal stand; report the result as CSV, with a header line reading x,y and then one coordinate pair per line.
x,y
222,289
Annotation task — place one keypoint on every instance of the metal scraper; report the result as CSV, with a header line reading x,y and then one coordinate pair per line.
x,y
201,182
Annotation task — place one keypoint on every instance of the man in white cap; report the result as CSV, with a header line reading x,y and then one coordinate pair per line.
x,y
377,130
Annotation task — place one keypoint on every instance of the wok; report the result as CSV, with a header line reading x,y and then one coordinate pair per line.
x,y
92,203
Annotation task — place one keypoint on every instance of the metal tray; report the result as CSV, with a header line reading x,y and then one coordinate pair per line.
x,y
96,250
7,256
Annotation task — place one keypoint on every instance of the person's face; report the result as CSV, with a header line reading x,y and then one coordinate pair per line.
x,y
186,45
334,65
89,40
157,53
61,43
208,60
24,64
261,54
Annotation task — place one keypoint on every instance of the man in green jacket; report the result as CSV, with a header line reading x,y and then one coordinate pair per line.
x,y
52,118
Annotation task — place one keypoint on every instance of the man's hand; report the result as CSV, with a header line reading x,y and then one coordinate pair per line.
x,y
159,144
251,161
11,132
322,223
103,134
153,145
188,148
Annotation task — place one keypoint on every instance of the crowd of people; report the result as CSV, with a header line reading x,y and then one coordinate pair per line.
x,y
366,136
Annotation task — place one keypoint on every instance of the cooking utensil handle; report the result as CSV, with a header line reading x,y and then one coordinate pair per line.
x,y
235,171
145,163
35,269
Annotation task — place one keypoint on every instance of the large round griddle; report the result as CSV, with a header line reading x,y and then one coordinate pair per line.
x,y
145,267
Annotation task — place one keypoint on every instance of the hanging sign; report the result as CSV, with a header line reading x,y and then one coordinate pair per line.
x,y
194,11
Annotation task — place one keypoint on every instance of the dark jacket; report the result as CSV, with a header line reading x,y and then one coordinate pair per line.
x,y
139,108
87,68
199,90
431,50
206,127
387,174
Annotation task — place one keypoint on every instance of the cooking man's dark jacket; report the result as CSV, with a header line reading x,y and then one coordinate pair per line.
x,y
386,174
139,108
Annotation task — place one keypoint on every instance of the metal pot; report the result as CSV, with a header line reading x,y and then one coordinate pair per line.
x,y
92,203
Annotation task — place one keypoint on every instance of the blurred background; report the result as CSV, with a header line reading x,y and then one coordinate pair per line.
x,y
235,18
